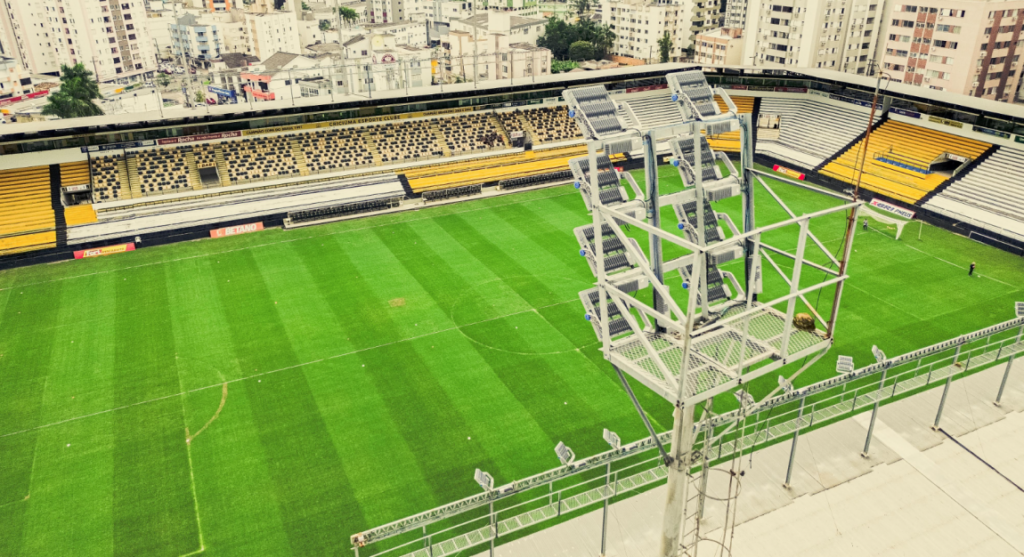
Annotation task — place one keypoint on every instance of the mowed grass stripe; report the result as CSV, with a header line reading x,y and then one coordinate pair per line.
x,y
71,491
529,378
81,374
397,388
203,351
239,512
153,508
309,482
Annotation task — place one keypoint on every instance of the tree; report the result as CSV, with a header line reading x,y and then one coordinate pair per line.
x,y
665,47
348,15
200,97
581,50
305,7
581,6
163,80
325,25
75,98
558,35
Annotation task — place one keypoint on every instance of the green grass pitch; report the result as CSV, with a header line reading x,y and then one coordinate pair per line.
x,y
339,377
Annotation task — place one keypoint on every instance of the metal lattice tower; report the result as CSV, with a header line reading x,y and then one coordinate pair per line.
x,y
725,336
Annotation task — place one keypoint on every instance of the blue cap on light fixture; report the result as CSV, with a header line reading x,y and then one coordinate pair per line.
x,y
675,97
686,284
675,162
572,114
680,226
577,184
587,317
583,253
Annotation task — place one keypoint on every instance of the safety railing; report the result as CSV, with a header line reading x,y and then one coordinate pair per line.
x,y
527,505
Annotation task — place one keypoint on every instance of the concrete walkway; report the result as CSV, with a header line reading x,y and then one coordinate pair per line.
x,y
919,492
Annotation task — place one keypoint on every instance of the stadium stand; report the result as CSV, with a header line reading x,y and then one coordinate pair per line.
x,y
730,142
337,149
74,173
546,125
260,158
654,111
914,148
802,121
206,155
405,141
163,170
26,214
987,196
492,169
469,133
76,215
106,178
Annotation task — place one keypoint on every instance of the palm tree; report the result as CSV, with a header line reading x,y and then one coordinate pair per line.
x,y
75,98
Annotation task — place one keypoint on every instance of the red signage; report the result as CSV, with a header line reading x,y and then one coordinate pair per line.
x,y
647,88
105,250
12,100
788,172
259,94
193,138
234,230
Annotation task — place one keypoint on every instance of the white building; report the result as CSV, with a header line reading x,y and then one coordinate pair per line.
x,y
377,63
412,33
108,37
517,29
272,32
446,11
195,41
14,80
841,35
639,24
491,56
719,47
735,16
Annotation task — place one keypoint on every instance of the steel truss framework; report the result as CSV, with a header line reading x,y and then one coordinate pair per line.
x,y
719,342
625,470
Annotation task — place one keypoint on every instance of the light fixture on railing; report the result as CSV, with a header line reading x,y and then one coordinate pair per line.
x,y
844,364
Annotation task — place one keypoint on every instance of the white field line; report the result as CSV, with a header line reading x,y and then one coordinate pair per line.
x,y
275,243
258,375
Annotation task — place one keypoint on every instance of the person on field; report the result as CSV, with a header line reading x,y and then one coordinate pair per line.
x,y
970,272
865,224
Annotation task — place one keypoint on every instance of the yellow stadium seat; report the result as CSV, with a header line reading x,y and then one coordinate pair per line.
x,y
79,214
730,142
25,206
909,145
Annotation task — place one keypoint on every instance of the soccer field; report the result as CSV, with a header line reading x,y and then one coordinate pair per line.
x,y
273,393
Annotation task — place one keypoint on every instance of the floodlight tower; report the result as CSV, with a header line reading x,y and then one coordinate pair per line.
x,y
724,338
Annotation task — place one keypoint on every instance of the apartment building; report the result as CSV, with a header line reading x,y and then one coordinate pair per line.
x,y
719,47
969,47
108,36
638,24
195,40
841,35
735,16
272,32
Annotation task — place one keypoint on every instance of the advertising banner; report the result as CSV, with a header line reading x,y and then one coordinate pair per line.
x,y
194,138
12,100
105,250
904,112
221,92
945,122
788,172
899,211
235,230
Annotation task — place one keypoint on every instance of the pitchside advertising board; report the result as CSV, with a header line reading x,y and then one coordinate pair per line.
x,y
235,230
899,211
105,250
788,172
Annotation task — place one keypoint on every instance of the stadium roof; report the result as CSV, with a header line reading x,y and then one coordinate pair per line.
x,y
179,117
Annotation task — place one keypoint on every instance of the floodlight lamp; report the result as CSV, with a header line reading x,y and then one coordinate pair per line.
x,y
565,454
485,480
745,399
844,364
1019,306
879,355
612,439
786,384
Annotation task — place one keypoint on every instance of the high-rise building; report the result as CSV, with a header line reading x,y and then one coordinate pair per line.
x,y
735,16
841,35
639,24
971,47
107,36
